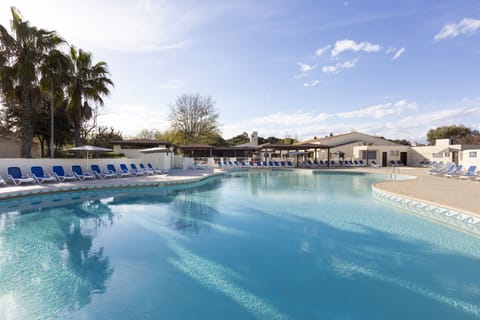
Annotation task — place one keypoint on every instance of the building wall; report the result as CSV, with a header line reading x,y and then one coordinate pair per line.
x,y
161,160
471,158
11,149
393,153
26,164
430,153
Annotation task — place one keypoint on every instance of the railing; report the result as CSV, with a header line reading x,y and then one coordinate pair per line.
x,y
392,172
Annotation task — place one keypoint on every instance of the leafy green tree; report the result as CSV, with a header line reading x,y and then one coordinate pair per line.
x,y
87,84
21,55
402,141
241,138
288,141
215,139
55,71
103,136
150,134
194,118
63,131
454,132
271,140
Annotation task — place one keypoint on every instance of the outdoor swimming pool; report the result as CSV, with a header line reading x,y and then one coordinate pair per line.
x,y
255,245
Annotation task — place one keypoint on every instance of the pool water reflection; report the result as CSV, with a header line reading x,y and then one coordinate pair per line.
x,y
257,245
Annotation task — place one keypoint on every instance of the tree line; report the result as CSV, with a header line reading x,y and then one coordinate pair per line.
x,y
35,74
194,120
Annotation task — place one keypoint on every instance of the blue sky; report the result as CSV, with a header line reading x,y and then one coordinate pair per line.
x,y
297,68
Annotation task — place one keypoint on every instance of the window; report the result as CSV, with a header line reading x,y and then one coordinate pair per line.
x,y
472,154
395,153
437,155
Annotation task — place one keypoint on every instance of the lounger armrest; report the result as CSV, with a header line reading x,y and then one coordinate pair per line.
x,y
37,179
12,179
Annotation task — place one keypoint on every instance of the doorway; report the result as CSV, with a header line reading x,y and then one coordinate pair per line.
x,y
403,158
455,157
384,159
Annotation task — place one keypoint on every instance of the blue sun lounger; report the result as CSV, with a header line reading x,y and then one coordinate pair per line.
x,y
146,170
111,168
157,170
17,177
124,169
40,176
470,173
455,172
135,171
99,174
78,172
61,175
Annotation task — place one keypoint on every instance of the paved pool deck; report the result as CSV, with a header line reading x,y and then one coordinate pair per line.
x,y
452,193
457,194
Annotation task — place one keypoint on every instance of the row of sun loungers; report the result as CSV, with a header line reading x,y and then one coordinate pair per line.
x,y
453,171
59,174
289,164
333,163
254,164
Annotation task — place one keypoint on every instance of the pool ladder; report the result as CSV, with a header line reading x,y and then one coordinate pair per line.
x,y
392,172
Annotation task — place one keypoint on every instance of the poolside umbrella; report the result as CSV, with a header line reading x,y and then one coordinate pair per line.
x,y
87,149
155,150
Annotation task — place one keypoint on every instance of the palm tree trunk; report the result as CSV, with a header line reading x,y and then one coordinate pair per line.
x,y
27,129
77,139
76,136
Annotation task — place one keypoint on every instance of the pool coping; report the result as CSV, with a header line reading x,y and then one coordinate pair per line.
x,y
106,184
459,219
453,217
408,203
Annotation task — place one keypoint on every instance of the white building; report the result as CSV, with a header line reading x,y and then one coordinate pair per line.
x,y
444,150
356,145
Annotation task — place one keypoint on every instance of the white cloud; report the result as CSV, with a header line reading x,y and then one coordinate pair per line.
x,y
398,53
305,68
132,26
321,51
466,26
312,83
382,119
146,117
439,117
350,45
336,68
380,111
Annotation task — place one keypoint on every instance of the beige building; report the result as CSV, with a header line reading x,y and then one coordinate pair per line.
x,y
356,146
445,151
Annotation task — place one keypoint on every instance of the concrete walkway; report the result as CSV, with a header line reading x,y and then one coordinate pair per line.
x,y
457,194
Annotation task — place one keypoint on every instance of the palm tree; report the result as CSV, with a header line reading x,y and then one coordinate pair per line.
x,y
88,83
55,71
21,54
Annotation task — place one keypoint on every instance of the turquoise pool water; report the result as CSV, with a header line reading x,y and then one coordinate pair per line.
x,y
256,245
